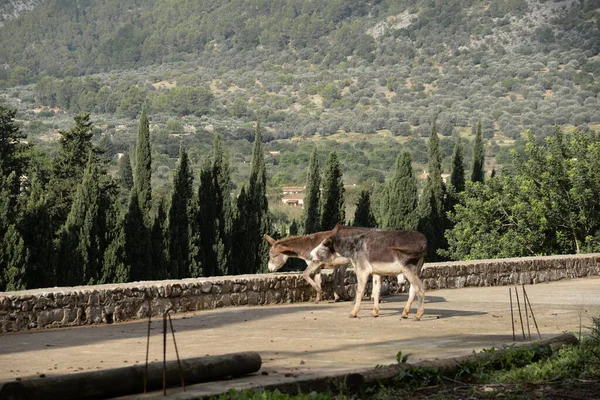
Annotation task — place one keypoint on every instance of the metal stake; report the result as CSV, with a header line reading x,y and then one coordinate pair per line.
x,y
147,346
520,315
512,317
176,352
165,353
532,316
526,312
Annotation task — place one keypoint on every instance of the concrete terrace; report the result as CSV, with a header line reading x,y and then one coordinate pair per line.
x,y
309,339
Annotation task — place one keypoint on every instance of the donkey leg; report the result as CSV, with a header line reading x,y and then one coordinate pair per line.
x,y
416,288
342,282
411,297
376,294
310,270
362,275
335,280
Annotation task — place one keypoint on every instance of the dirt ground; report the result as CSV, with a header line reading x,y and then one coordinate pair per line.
x,y
307,339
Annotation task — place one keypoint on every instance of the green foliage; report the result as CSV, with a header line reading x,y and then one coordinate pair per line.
x,y
11,149
417,377
180,215
399,201
79,240
125,172
546,203
14,257
253,220
68,166
332,205
402,358
432,203
312,194
478,158
143,167
363,215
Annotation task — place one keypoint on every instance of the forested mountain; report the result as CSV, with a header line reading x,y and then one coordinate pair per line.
x,y
212,107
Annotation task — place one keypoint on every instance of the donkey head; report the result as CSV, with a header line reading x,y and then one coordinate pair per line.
x,y
325,251
278,254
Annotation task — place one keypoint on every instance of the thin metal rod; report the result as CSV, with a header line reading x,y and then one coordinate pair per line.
x,y
147,346
164,354
512,316
520,315
532,316
526,312
176,352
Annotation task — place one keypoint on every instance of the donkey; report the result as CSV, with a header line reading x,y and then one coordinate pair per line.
x,y
300,247
378,252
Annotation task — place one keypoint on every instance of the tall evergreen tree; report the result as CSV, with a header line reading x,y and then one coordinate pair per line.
x,y
478,158
310,215
432,202
11,148
125,172
74,147
38,235
14,257
161,265
79,244
214,214
399,204
332,206
253,215
178,231
143,166
243,248
138,250
457,175
222,177
364,215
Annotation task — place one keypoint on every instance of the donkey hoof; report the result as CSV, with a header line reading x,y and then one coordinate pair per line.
x,y
417,318
375,314
404,315
352,315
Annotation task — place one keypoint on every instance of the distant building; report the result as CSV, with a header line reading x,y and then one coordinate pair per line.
x,y
294,200
292,189
425,174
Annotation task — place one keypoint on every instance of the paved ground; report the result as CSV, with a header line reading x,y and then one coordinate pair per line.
x,y
297,339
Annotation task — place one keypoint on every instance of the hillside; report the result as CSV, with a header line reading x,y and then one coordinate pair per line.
x,y
310,70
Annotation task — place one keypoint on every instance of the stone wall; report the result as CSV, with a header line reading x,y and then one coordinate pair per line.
x,y
84,305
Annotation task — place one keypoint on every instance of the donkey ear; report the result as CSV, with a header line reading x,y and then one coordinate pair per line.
x,y
337,228
270,239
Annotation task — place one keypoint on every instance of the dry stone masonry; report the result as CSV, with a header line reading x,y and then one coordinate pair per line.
x,y
85,305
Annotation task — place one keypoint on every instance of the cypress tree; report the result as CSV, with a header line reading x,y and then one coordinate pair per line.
x,y
399,206
207,221
253,215
80,254
125,172
293,229
143,166
243,249
178,231
161,265
457,175
14,257
11,149
432,211
138,251
364,215
68,166
38,235
332,207
223,208
478,158
310,214
214,215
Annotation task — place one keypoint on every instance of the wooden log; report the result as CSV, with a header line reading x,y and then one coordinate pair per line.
x,y
130,380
